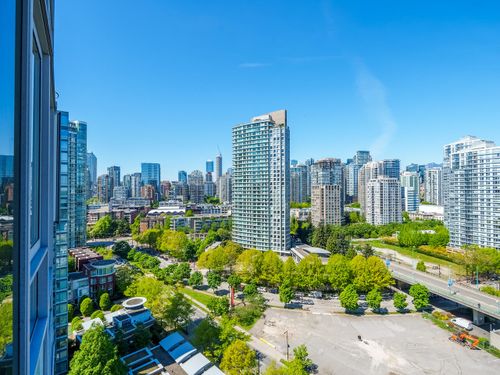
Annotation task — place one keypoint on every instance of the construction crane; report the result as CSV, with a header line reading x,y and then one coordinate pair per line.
x,y
465,339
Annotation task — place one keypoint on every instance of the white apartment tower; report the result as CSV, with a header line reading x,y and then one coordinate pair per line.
x,y
383,201
410,188
261,183
434,186
327,195
471,192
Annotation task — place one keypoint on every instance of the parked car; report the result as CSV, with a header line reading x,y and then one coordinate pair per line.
x,y
261,289
463,323
316,294
308,302
273,290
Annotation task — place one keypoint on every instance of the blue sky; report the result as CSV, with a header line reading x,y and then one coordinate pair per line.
x,y
164,81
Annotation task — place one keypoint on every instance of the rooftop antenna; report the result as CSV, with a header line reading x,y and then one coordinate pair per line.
x,y
218,149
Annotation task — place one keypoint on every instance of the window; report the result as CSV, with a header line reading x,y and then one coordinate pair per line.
x,y
33,303
35,143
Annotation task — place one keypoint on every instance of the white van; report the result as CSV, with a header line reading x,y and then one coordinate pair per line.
x,y
463,323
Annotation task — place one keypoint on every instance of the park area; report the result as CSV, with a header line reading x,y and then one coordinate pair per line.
x,y
390,344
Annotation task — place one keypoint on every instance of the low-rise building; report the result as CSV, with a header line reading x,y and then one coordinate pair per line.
x,y
83,255
301,214
78,286
101,275
123,322
299,252
428,212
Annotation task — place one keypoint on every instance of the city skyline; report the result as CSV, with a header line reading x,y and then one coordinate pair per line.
x,y
393,86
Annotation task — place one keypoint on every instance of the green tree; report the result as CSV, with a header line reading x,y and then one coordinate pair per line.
x,y
105,302
362,279
400,301
87,307
271,269
124,276
290,271
206,338
76,323
338,272
320,236
116,308
97,314
420,295
121,227
286,291
238,359
6,319
421,266
121,248
440,238
301,356
338,243
155,291
135,226
310,272
178,311
367,250
97,355
234,281
349,298
249,265
378,274
250,290
196,279
214,280
183,271
71,312
150,237
102,228
374,298
218,306
176,243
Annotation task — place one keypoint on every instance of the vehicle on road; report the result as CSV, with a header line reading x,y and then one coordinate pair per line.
x,y
261,289
316,294
462,323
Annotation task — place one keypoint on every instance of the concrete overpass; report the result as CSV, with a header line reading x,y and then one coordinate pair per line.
x,y
481,303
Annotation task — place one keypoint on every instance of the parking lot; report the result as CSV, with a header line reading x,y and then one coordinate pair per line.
x,y
390,344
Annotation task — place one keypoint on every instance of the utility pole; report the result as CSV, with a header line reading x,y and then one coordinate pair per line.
x,y
287,346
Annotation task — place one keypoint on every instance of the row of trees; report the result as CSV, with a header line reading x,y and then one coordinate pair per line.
x,y
109,227
267,268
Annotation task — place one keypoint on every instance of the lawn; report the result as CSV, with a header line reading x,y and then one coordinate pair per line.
x,y
413,254
201,297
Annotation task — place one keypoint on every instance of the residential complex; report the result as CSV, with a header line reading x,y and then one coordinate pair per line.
x,y
298,183
225,188
218,166
327,192
383,201
471,192
114,176
434,186
261,183
104,192
410,191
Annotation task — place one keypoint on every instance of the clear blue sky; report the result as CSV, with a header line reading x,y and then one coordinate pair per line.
x,y
164,81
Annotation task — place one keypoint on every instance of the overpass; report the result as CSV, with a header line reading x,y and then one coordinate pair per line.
x,y
481,303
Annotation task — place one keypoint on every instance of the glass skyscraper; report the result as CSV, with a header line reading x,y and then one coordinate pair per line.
x,y
261,183
150,174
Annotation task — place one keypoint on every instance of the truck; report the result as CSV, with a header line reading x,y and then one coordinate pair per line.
x,y
462,323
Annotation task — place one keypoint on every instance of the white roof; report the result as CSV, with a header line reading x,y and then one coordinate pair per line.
x,y
182,352
87,324
171,340
195,364
431,209
214,370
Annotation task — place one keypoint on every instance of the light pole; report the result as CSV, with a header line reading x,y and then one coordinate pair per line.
x,y
287,346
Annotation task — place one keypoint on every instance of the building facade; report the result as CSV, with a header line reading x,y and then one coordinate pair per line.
x,y
196,187
182,176
114,176
471,192
135,185
225,188
209,166
104,192
383,201
92,167
218,166
434,186
298,183
150,174
261,183
327,196
29,135
410,183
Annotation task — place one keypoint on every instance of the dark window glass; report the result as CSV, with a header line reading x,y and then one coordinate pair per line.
x,y
7,63
35,146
